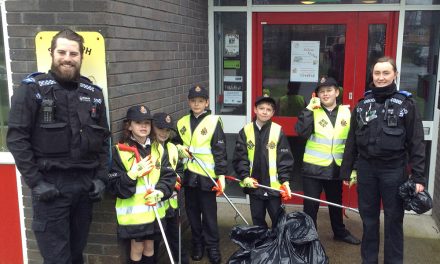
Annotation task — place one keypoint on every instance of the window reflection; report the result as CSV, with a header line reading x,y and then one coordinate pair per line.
x,y
420,59
326,2
230,63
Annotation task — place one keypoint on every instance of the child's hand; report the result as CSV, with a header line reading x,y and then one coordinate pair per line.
x,y
314,103
153,197
286,193
220,188
249,182
184,152
178,184
141,168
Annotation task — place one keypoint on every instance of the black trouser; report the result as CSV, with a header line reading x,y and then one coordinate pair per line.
x,y
333,193
260,205
379,181
61,226
201,210
172,233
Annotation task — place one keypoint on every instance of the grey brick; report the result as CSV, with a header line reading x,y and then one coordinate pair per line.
x,y
39,18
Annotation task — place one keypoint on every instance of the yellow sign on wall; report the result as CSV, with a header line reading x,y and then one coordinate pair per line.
x,y
93,64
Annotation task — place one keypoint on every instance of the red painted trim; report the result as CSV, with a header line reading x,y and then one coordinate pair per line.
x,y
10,233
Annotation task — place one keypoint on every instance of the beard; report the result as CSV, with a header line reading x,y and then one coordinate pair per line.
x,y
66,74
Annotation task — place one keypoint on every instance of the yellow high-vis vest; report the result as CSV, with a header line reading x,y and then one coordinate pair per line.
x,y
133,211
327,143
274,135
199,143
173,156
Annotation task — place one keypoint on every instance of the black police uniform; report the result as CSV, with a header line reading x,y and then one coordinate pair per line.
x,y
57,135
316,178
386,135
199,197
262,199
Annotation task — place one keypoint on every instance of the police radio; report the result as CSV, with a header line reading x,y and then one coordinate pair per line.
x,y
48,111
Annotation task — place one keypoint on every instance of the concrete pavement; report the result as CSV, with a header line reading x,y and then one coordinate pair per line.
x,y
422,236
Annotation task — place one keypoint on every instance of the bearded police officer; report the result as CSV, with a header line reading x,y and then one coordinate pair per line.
x,y
58,136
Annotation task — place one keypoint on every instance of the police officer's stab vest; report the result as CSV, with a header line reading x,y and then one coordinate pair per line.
x,y
199,143
133,211
327,143
71,130
274,135
173,156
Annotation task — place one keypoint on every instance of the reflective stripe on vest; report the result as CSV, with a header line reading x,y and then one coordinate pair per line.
x,y
274,135
199,143
327,143
133,211
173,156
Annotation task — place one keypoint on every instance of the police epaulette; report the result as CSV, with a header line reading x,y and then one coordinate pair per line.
x,y
31,78
89,86
405,93
86,79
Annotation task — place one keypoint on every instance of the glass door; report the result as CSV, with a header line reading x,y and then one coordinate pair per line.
x,y
292,51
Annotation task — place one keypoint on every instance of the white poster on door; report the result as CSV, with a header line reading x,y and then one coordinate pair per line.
x,y
232,45
304,61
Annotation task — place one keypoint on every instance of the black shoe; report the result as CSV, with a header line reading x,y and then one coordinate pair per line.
x,y
214,256
349,238
197,252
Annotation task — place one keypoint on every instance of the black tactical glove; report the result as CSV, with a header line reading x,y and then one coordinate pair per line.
x,y
97,192
45,191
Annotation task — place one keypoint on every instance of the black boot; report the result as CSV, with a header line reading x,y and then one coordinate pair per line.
x,y
135,261
197,252
214,256
147,260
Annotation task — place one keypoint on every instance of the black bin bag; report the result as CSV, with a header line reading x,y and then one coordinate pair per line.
x,y
292,240
419,202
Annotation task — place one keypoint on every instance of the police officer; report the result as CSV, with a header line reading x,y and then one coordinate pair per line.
x,y
58,136
387,135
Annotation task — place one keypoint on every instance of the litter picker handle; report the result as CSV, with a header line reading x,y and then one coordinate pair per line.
x,y
124,147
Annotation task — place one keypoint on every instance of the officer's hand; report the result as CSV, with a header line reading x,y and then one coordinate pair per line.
x,y
249,182
141,168
45,191
97,192
178,184
152,197
419,187
220,188
314,103
286,193
184,152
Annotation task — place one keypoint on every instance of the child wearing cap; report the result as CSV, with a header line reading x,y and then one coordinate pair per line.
x,y
202,143
325,125
162,128
140,182
262,155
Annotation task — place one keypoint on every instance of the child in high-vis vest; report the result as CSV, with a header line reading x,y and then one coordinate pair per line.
x,y
262,155
325,125
202,143
141,178
163,126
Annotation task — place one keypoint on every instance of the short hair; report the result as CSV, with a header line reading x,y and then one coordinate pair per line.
x,y
385,59
70,35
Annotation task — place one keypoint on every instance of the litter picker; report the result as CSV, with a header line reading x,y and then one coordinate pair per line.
x,y
298,195
202,165
124,147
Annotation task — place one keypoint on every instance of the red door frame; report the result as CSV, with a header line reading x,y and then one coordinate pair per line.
x,y
355,57
355,48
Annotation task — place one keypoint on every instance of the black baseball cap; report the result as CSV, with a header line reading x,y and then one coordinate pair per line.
x,y
138,113
198,91
326,81
163,120
265,98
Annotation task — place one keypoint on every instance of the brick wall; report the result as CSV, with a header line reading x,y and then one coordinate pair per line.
x,y
155,51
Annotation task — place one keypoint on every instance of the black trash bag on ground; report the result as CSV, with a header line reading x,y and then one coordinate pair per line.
x,y
293,240
419,202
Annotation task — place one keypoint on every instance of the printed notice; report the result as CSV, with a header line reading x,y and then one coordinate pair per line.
x,y
304,65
